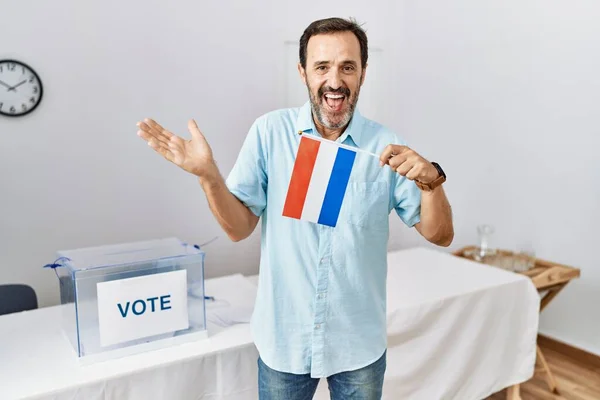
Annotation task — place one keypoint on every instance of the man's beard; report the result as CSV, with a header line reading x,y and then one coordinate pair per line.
x,y
332,119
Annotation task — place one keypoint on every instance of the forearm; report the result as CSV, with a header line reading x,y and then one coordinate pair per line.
x,y
234,217
436,217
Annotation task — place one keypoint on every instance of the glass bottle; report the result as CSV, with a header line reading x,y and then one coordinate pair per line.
x,y
485,249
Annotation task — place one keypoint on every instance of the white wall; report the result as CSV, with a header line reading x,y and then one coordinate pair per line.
x,y
505,95
74,173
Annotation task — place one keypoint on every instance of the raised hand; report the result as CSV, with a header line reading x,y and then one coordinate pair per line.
x,y
193,155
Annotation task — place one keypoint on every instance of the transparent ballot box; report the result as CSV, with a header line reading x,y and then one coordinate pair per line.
x,y
133,297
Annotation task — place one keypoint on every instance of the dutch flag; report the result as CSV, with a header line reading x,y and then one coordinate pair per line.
x,y
319,179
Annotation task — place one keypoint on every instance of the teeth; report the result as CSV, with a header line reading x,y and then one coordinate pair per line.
x,y
334,96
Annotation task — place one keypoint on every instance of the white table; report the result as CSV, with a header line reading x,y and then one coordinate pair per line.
x,y
456,329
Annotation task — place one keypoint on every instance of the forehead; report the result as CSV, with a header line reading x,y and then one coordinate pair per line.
x,y
342,46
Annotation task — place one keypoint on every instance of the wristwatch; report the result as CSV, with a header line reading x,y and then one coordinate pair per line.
x,y
427,187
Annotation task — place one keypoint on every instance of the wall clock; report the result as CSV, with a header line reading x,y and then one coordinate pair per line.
x,y
20,88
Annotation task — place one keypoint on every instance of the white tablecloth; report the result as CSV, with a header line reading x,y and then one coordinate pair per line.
x,y
457,330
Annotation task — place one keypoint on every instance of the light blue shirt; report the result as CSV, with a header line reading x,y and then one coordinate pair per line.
x,y
321,301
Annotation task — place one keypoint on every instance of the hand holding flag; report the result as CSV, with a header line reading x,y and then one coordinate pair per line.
x,y
322,171
408,163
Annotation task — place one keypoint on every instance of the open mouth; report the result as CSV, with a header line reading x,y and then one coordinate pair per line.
x,y
334,101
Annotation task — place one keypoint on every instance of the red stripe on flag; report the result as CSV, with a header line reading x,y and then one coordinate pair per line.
x,y
303,169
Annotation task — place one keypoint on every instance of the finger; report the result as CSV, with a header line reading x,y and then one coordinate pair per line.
x,y
148,133
162,150
404,168
391,150
386,154
156,145
155,133
414,172
158,129
144,135
396,161
195,131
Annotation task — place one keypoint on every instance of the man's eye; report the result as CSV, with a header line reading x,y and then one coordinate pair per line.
x,y
348,68
321,68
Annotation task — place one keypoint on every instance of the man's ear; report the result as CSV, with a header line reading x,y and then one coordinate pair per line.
x,y
364,73
302,73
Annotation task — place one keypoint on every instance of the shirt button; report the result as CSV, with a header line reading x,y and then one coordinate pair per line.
x,y
318,326
320,295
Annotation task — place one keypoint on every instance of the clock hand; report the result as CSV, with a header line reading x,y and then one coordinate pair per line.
x,y
17,85
5,84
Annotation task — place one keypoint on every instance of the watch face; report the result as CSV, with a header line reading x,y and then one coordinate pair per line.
x,y
20,88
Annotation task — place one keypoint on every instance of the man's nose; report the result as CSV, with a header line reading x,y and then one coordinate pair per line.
x,y
334,79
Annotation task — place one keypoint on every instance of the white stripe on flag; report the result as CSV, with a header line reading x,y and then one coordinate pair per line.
x,y
319,181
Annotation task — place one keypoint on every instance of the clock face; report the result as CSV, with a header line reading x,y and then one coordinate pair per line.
x,y
20,88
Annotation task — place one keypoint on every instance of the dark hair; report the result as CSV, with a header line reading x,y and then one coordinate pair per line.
x,y
334,25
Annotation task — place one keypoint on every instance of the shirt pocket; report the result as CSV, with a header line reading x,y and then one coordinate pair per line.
x,y
367,204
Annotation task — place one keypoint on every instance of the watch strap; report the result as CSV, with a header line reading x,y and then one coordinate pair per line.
x,y
435,183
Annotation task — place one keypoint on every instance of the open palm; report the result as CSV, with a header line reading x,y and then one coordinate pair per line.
x,y
194,155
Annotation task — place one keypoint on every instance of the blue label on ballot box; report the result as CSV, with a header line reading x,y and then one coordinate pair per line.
x,y
143,306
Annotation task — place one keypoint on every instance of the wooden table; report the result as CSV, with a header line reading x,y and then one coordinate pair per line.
x,y
549,278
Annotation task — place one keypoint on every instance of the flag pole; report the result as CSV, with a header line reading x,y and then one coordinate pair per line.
x,y
345,146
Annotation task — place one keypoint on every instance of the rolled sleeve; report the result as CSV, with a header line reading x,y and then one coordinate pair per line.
x,y
248,177
407,201
406,196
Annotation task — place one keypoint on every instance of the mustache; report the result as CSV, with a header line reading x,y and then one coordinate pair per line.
x,y
328,89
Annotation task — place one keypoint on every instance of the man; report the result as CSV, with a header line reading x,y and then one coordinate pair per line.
x,y
320,310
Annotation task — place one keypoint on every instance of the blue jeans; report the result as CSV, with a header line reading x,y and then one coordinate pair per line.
x,y
362,384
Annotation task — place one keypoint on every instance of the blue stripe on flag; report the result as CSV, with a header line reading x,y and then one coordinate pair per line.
x,y
338,181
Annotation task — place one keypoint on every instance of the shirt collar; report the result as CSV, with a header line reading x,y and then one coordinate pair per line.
x,y
305,124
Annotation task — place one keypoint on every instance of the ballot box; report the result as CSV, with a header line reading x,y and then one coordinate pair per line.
x,y
122,299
